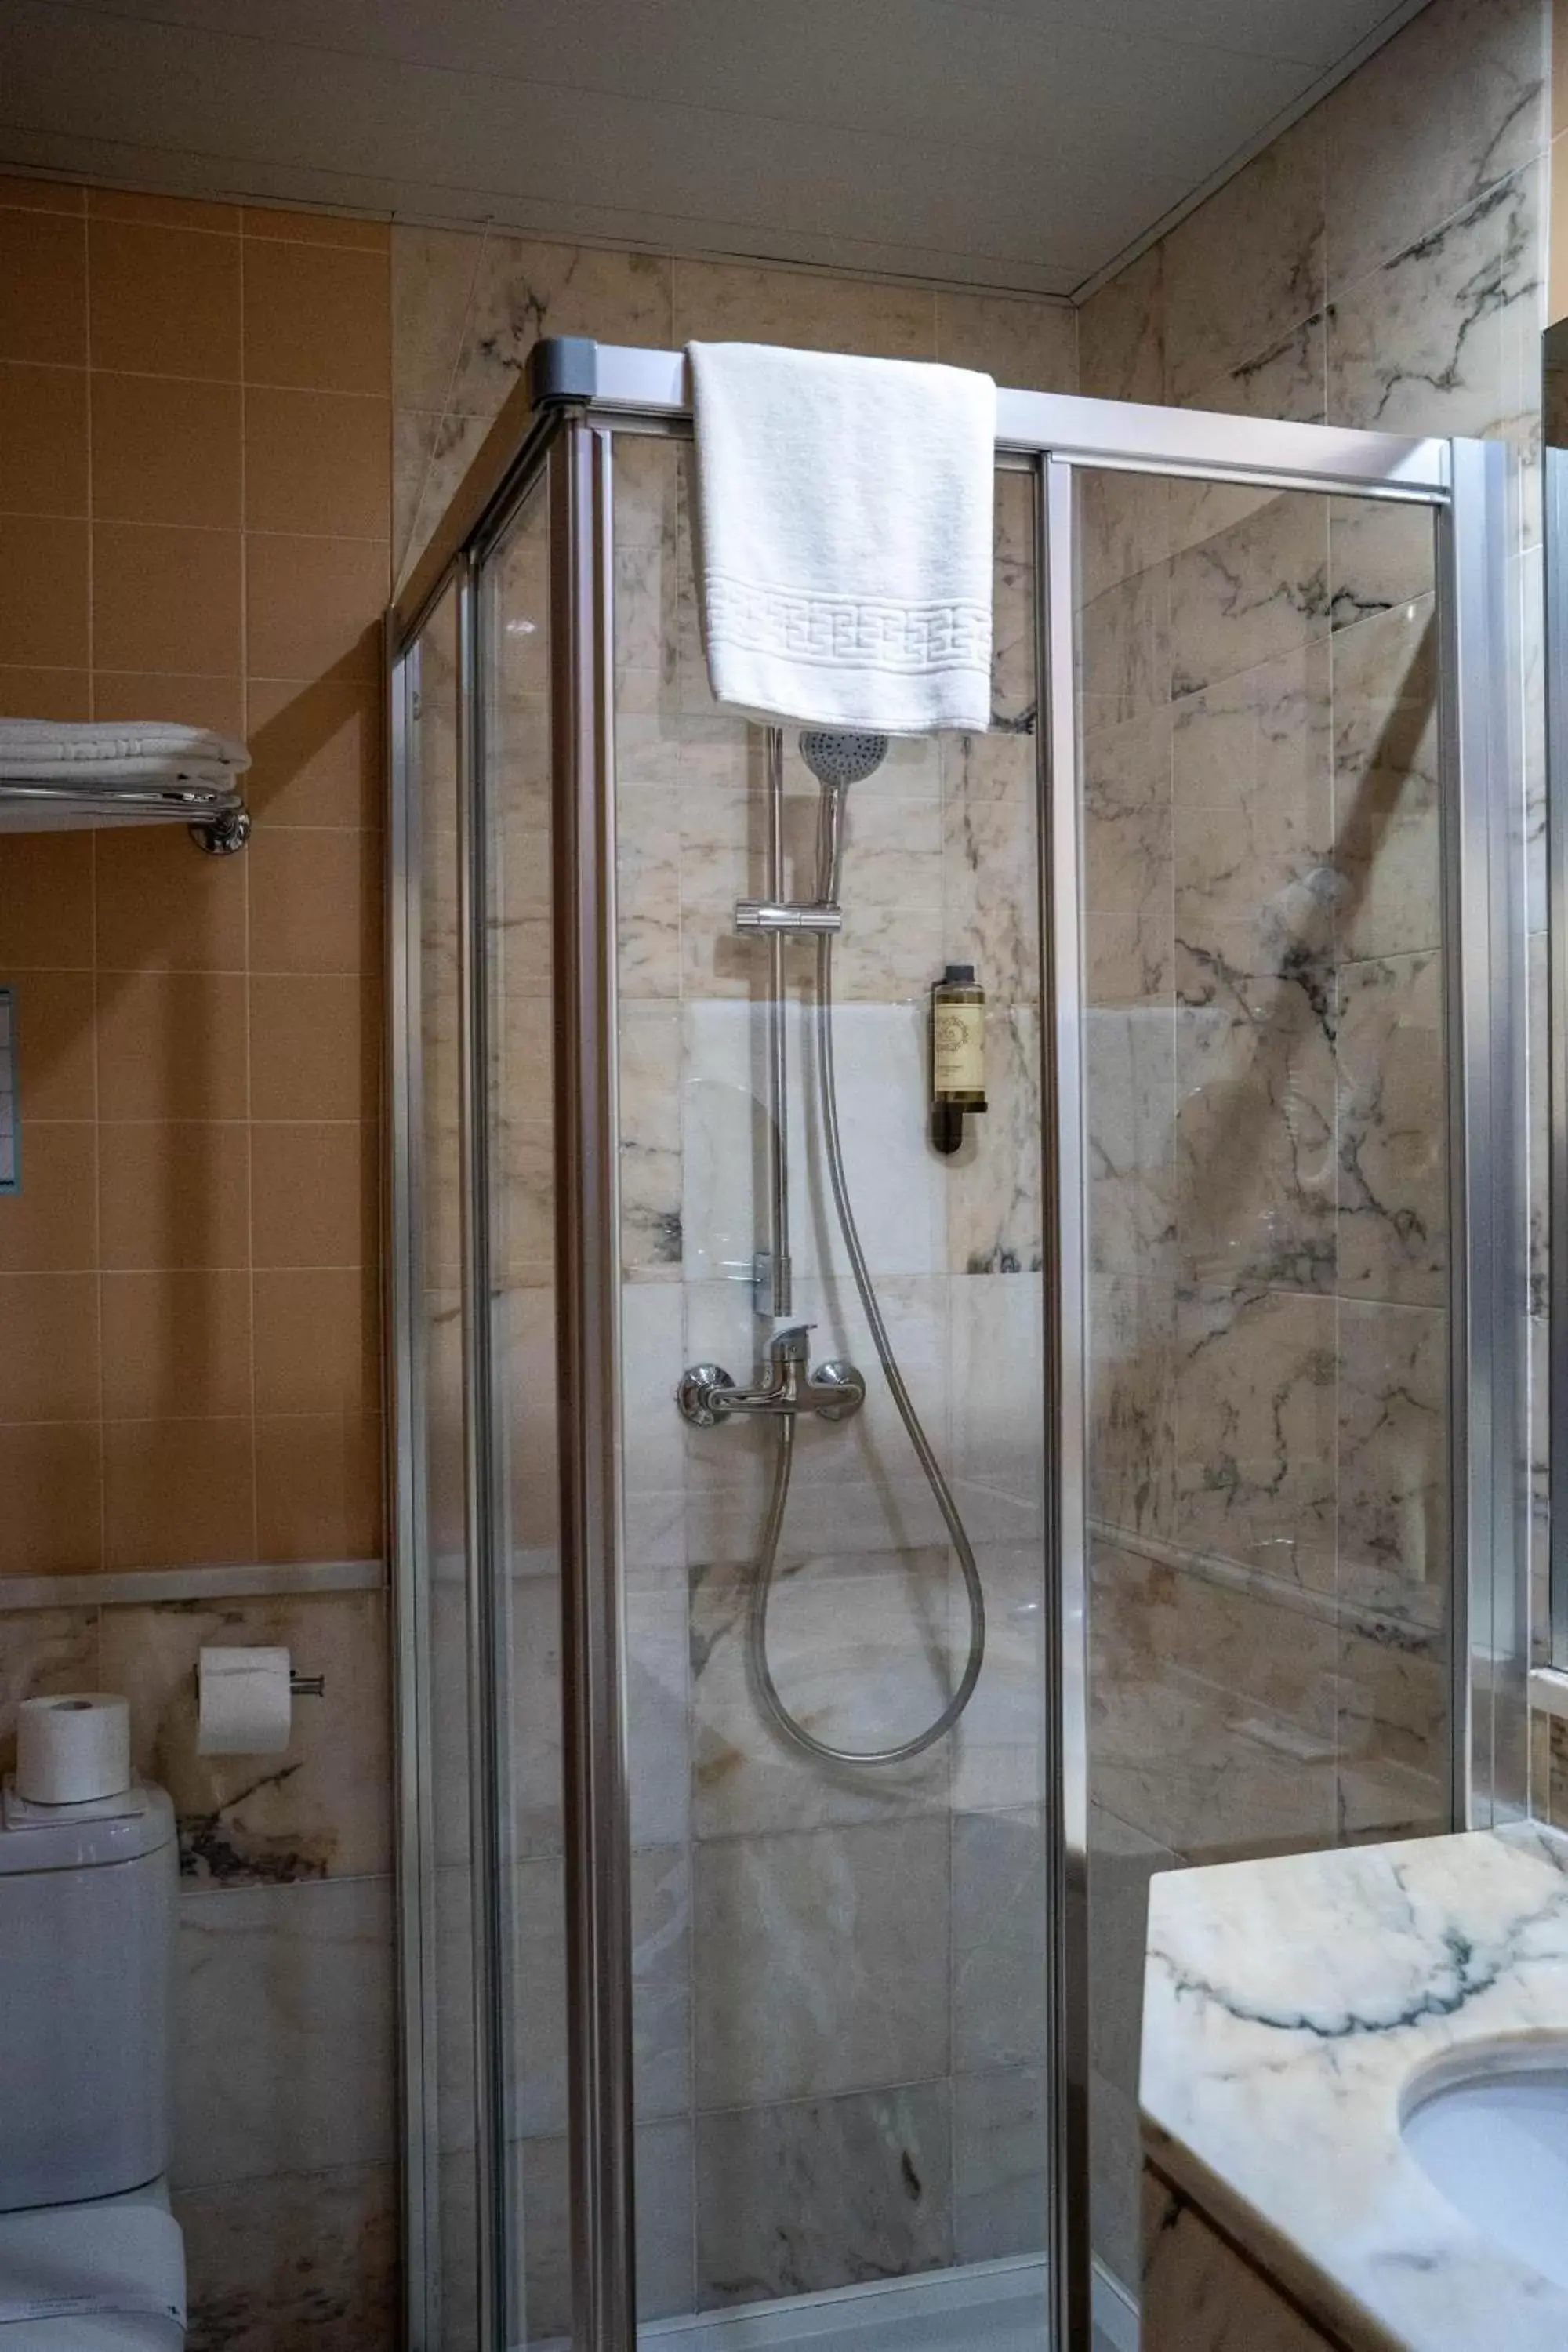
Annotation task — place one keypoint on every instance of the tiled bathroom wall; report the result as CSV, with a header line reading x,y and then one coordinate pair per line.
x,y
195,522
1269,1431
468,309
1382,265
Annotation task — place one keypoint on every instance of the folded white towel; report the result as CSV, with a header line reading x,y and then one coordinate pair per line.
x,y
135,752
844,536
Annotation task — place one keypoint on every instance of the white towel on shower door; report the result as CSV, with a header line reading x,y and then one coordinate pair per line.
x,y
844,536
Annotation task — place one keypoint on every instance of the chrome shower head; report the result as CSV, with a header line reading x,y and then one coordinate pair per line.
x,y
837,758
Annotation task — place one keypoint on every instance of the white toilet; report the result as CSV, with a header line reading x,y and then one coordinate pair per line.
x,y
91,2259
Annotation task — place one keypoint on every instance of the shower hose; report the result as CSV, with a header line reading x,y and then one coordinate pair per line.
x,y
766,1574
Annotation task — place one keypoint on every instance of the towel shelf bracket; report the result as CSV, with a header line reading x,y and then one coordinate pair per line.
x,y
223,836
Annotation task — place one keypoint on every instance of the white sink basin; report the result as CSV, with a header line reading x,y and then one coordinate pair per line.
x,y
1496,2144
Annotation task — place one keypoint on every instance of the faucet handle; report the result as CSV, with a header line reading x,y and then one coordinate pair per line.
x,y
792,1345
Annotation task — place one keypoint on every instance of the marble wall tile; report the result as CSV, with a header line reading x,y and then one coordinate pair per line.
x,y
1016,524
999,1930
1015,630
997,1348
1452,105
454,441
990,855
653,1353
1394,1729
821,1961
44,1651
319,1809
1255,1429
650,1097
662,1990
720,301
1124,528
1249,591
1258,742
1286,378
414,432
1199,2295
1121,333
1129,871
1124,650
1026,346
307,2258
1211,1758
658,1710
1394,1535
1114,2138
1130,1090
1386,791
998,1747
1442,336
647,879
1247,265
1381,555
1253,891
665,2158
1392,1238
1001,2163
523,289
433,272
859,1648
284,2051
793,2199
1132,1404
1254,1137
1121,1861
541,2198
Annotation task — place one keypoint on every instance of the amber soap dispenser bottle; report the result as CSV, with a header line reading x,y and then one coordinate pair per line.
x,y
957,1054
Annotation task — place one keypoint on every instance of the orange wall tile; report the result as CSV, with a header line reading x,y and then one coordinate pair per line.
x,y
43,440
195,516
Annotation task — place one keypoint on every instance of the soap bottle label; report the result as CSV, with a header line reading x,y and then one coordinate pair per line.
x,y
958,1049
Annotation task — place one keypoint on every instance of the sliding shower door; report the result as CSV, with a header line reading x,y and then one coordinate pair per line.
x,y
839,2015
1267,1065
837,1570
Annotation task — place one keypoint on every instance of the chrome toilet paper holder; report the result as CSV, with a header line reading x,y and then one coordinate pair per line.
x,y
299,1686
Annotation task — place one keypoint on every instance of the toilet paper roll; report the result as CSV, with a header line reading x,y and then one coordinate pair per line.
x,y
243,1702
72,1747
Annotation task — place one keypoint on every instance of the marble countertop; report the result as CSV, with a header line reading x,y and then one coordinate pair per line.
x,y
1289,2005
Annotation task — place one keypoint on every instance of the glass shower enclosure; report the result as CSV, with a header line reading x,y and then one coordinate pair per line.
x,y
842,1555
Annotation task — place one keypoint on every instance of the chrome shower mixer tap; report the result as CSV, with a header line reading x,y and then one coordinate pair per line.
x,y
707,1394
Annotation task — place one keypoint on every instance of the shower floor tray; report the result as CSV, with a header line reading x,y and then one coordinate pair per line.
x,y
979,2307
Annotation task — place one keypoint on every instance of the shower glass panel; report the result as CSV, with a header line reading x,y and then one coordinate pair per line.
x,y
836,1571
1266,1075
429,909
518,1485
839,2007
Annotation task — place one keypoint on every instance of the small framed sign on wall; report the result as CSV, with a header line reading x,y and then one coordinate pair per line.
x,y
10,1137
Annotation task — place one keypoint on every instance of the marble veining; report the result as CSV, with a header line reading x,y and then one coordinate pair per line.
x,y
1290,2006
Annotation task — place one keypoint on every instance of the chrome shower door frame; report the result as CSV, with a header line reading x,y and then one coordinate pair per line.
x,y
578,397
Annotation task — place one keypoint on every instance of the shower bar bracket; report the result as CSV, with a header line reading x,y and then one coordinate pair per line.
x,y
767,917
835,1391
